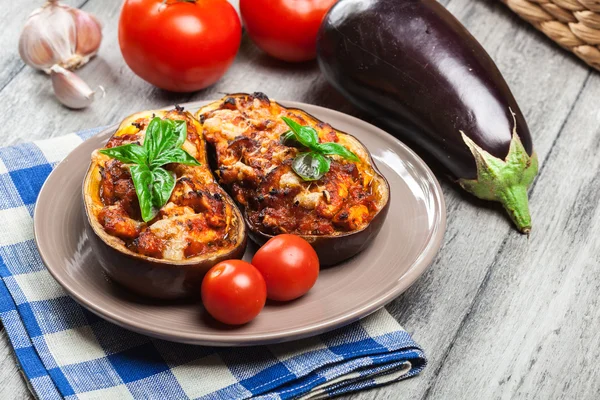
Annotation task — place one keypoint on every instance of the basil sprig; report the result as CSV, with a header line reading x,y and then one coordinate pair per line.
x,y
162,145
312,165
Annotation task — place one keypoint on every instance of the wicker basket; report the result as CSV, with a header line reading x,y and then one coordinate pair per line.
x,y
573,24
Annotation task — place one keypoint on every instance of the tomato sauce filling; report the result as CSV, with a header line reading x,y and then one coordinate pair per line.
x,y
256,168
196,220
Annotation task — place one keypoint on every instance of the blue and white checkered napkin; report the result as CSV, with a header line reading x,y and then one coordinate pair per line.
x,y
66,351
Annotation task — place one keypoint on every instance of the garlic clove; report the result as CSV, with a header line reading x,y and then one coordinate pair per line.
x,y
48,37
36,53
89,33
59,34
70,89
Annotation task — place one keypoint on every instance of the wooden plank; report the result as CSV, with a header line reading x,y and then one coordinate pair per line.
x,y
14,15
433,309
533,332
12,384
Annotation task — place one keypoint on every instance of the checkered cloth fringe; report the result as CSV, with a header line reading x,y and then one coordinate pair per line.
x,y
67,352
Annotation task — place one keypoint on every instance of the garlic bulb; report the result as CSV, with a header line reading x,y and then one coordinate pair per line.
x,y
70,89
59,34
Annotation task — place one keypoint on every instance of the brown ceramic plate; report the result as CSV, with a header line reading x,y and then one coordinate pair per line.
x,y
406,245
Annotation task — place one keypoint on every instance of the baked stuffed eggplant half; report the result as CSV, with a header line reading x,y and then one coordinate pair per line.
x,y
291,173
156,218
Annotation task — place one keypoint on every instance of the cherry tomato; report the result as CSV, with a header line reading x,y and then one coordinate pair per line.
x,y
289,265
179,45
233,292
285,29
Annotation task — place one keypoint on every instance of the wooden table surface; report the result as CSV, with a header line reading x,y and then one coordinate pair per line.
x,y
499,315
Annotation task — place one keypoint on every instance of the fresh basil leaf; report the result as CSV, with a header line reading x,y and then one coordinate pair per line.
x,y
130,153
306,135
162,145
181,133
169,134
165,138
142,181
289,139
152,132
162,186
335,149
310,166
174,156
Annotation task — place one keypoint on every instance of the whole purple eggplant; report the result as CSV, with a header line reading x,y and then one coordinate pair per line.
x,y
414,67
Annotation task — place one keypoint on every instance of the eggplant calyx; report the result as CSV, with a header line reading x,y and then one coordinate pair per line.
x,y
505,181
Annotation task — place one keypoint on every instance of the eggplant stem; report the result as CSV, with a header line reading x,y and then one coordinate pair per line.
x,y
515,202
505,181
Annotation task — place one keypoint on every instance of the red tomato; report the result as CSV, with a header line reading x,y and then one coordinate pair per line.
x,y
234,292
289,265
179,45
285,29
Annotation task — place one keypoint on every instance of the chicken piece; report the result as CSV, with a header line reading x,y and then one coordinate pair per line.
x,y
124,194
187,194
238,172
239,148
199,238
335,191
112,172
148,244
223,121
116,222
174,234
309,200
290,179
277,220
173,210
333,200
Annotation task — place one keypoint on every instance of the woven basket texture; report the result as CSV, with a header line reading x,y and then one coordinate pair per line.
x,y
573,24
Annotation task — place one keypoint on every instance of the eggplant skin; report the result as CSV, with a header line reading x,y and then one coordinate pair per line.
x,y
147,276
415,67
150,277
331,249
426,79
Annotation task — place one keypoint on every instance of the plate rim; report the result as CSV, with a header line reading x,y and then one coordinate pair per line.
x,y
416,269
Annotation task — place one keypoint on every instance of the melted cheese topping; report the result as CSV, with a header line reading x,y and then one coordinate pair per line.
x,y
196,220
256,167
